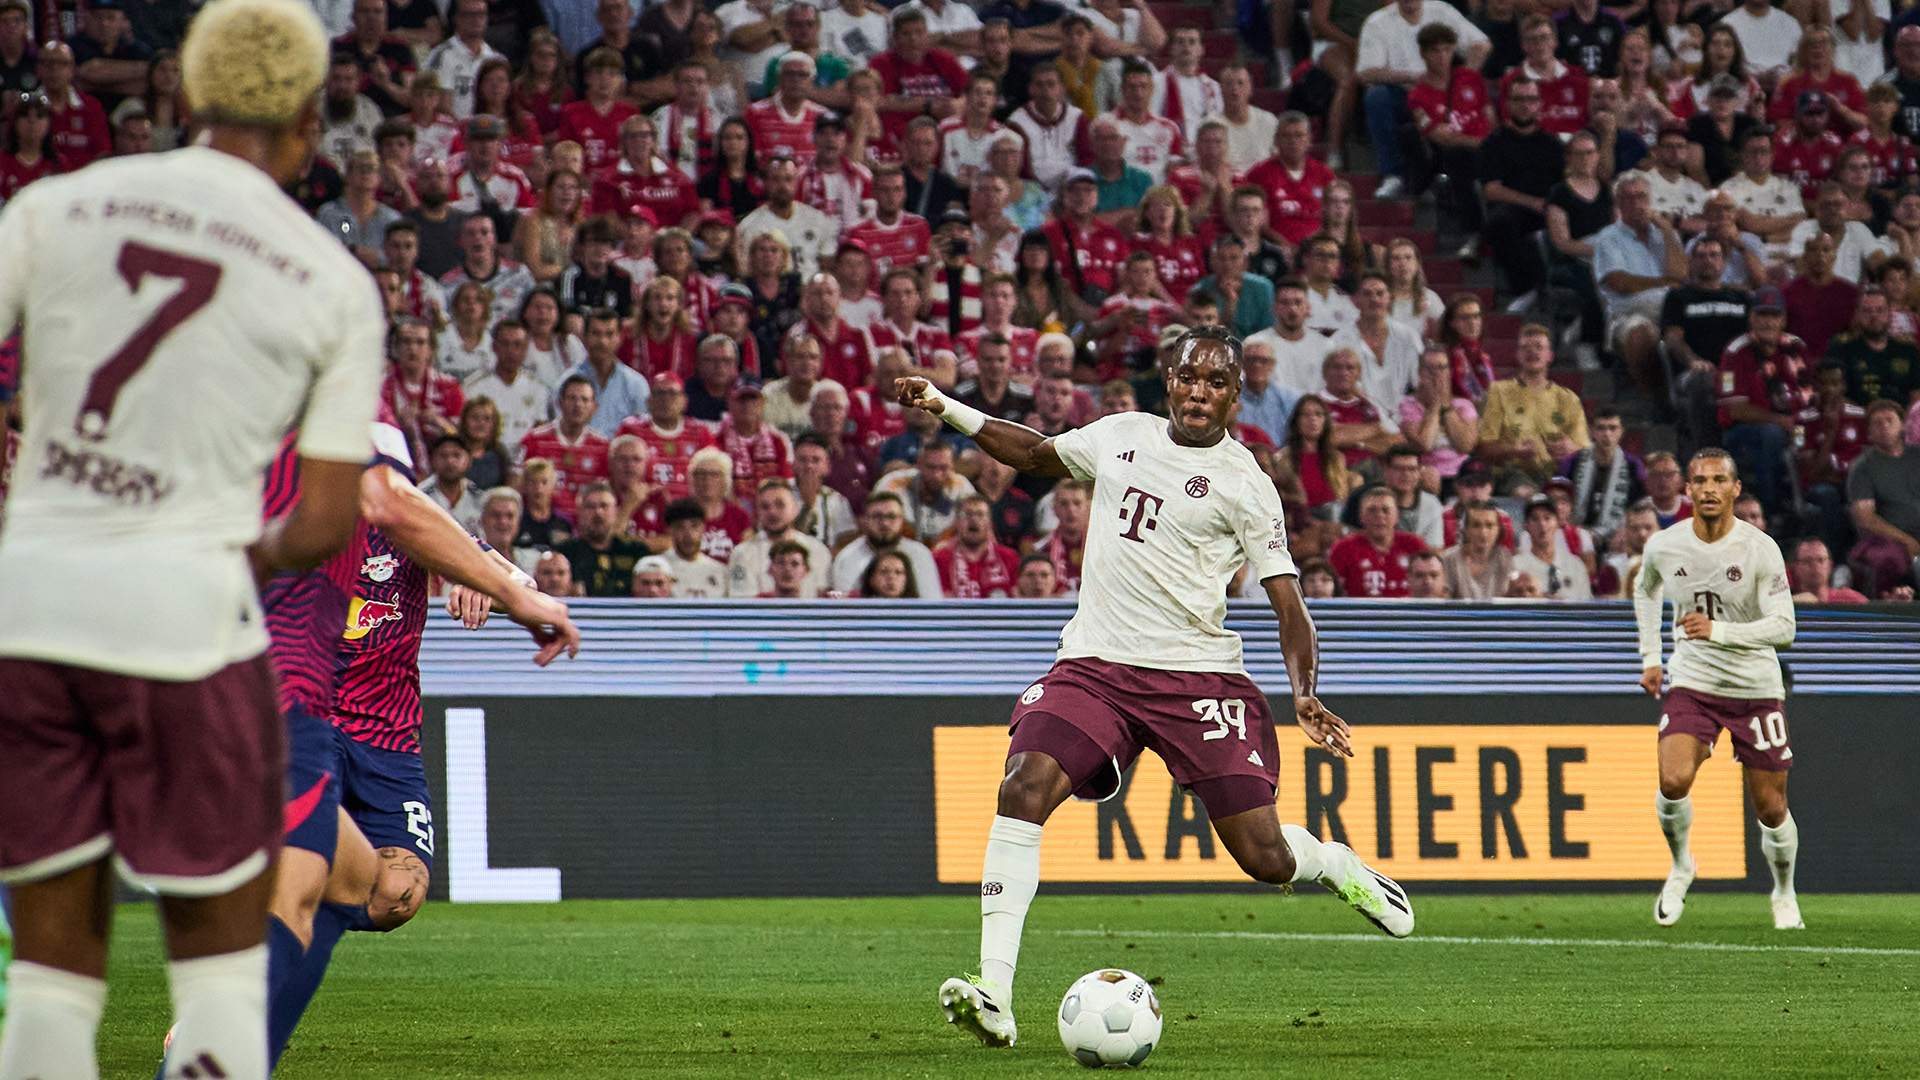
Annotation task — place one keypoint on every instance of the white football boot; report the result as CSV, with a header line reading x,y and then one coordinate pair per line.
x,y
973,1004
1371,893
1786,912
1673,895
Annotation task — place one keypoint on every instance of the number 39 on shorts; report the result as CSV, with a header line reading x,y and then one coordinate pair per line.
x,y
1222,713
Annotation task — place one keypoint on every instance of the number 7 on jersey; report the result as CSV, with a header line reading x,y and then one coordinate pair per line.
x,y
198,280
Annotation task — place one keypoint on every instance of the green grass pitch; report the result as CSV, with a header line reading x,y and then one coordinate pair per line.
x,y
1253,986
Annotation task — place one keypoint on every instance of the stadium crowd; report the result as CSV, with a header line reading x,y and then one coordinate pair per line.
x,y
651,271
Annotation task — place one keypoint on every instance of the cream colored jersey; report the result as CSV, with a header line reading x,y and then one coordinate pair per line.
x,y
1170,525
181,314
1740,583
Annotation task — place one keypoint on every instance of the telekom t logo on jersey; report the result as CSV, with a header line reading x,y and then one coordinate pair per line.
x,y
1140,510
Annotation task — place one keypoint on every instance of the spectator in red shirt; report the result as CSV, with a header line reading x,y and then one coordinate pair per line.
x,y
80,130
1373,562
849,463
1812,574
578,453
899,325
1831,433
1819,303
1294,182
1453,114
663,338
1087,250
1806,151
916,79
1763,387
1563,87
426,402
1131,320
31,154
847,352
1362,428
760,452
640,178
1815,70
595,122
893,238
972,565
1163,231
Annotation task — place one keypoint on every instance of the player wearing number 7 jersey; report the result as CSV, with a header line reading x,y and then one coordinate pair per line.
x,y
1147,661
1732,606
181,315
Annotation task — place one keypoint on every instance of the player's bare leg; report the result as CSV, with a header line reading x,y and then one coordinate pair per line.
x,y
1288,855
57,981
1034,786
1680,759
316,900
1779,842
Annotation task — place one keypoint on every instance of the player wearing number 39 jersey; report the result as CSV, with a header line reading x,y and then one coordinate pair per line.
x,y
1732,607
181,316
1147,662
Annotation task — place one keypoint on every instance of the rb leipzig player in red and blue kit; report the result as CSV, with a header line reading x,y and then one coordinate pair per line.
x,y
346,643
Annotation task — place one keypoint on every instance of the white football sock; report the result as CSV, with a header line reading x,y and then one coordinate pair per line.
x,y
52,1019
1312,860
1781,846
1676,819
1007,883
220,1016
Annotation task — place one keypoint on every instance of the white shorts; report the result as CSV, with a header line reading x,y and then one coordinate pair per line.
x,y
1632,313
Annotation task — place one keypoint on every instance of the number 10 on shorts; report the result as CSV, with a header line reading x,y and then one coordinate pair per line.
x,y
1772,735
1222,713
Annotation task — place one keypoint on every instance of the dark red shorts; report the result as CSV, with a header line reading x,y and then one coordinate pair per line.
x,y
1213,730
1757,727
181,780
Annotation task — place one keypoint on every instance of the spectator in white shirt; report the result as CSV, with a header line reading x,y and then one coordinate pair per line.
x,y
1390,63
1250,128
1767,35
500,525
457,60
1857,251
449,486
1556,571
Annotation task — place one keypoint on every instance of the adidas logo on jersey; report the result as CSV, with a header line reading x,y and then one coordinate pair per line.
x,y
1254,756
1128,456
1682,572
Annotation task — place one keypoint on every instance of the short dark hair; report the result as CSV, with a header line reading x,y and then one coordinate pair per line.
x,y
812,438
510,324
577,380
603,314
687,509
790,547
403,226
1035,557
1434,34
598,229
1133,65
1709,453
1604,412
442,440
1403,449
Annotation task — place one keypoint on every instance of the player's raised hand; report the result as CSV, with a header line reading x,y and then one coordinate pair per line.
x,y
1650,680
917,393
469,606
1322,726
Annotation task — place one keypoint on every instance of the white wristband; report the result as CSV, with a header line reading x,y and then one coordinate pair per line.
x,y
965,419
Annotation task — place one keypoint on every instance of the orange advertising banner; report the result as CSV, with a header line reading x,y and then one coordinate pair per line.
x,y
1458,803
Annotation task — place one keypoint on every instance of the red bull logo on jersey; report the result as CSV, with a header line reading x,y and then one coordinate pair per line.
x,y
379,567
364,615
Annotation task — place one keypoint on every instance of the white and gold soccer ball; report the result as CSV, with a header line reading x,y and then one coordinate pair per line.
x,y
1110,1019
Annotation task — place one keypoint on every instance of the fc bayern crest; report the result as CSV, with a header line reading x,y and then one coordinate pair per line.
x,y
1197,487
1033,694
1733,573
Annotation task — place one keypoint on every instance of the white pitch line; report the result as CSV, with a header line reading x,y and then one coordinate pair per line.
x,y
1441,939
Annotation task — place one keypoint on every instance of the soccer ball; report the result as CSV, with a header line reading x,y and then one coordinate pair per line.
x,y
1110,1019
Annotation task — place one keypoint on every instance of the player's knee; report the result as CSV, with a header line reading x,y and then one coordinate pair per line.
x,y
399,890
1029,790
1675,786
1770,807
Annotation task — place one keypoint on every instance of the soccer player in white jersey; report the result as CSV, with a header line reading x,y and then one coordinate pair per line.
x,y
1147,662
182,315
1732,607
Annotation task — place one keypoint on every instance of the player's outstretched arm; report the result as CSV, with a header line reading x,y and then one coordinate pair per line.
x,y
319,524
429,536
1006,442
1300,645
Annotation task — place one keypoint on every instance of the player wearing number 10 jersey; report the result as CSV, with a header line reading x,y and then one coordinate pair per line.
x,y
1732,607
181,315
1147,662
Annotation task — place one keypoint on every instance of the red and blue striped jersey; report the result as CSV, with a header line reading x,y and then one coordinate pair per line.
x,y
377,642
304,608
